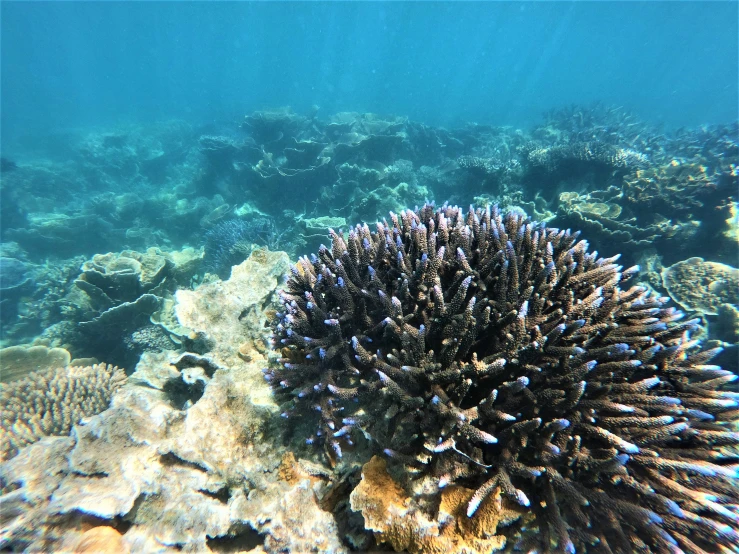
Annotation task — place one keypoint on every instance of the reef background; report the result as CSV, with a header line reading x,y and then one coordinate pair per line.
x,y
157,183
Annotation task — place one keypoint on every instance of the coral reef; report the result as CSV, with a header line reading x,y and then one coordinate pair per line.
x,y
676,189
15,280
14,275
394,517
596,154
702,286
726,326
230,242
42,303
141,193
487,350
115,297
51,402
187,458
21,360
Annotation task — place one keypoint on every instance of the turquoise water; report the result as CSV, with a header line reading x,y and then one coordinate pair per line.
x,y
74,64
164,165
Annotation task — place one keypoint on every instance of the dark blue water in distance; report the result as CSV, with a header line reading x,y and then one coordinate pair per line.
x,y
70,64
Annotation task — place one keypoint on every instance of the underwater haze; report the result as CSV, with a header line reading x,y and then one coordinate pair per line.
x,y
67,64
291,277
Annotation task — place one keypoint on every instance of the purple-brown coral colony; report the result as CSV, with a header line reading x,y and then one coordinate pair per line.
x,y
490,351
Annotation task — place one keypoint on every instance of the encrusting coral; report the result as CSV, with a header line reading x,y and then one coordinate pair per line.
x,y
488,351
51,402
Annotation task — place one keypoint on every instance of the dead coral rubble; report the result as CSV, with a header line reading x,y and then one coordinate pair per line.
x,y
489,351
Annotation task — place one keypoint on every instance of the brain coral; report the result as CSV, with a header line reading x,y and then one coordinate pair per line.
x,y
491,352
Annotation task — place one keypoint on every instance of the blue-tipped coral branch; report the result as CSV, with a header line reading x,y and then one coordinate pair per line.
x,y
487,350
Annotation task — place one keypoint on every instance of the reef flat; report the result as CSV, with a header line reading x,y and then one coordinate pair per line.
x,y
187,368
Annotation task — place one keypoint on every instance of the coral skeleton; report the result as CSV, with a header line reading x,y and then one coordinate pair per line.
x,y
488,351
51,402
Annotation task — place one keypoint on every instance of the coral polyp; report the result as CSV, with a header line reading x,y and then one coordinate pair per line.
x,y
487,350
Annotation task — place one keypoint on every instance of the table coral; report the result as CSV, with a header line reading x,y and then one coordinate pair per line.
x,y
702,286
21,360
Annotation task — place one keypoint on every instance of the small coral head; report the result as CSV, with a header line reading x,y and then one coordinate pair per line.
x,y
488,350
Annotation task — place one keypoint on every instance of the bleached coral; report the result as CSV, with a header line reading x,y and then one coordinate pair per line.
x,y
183,475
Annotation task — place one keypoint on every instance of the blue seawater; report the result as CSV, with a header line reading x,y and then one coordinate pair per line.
x,y
147,148
72,64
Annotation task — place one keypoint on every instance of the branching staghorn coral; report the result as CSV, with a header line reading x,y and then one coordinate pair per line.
x,y
51,402
496,353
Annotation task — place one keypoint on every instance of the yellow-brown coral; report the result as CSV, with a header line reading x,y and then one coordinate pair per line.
x,y
101,540
394,517
19,361
702,286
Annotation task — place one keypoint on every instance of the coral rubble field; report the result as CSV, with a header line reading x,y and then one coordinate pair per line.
x,y
284,336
